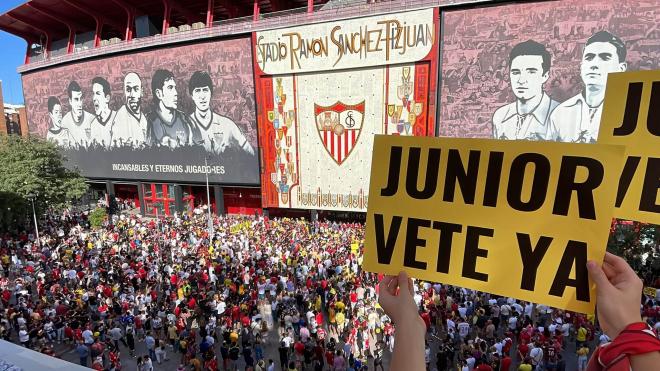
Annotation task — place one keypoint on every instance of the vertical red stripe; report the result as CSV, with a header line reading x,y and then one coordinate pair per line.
x,y
332,144
346,143
325,138
339,152
353,137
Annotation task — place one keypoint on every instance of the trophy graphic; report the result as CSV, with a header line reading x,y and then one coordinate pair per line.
x,y
288,119
275,180
405,89
411,121
396,118
417,110
280,97
291,167
288,141
276,120
280,133
390,111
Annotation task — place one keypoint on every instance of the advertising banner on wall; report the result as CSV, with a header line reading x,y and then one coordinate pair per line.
x,y
538,71
324,90
171,114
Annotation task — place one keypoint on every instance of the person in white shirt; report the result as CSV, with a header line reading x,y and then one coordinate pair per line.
x,y
527,117
101,126
462,310
57,133
130,123
88,337
578,118
463,329
451,325
78,121
529,307
536,354
513,322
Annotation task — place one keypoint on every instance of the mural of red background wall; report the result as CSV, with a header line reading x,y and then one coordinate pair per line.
x,y
316,127
225,64
228,61
476,44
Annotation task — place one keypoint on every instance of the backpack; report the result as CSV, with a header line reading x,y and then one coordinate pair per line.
x,y
233,353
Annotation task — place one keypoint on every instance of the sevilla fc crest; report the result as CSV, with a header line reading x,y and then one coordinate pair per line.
x,y
339,127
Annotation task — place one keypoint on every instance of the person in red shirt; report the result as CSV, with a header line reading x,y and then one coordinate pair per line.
x,y
353,297
505,364
483,367
523,350
427,319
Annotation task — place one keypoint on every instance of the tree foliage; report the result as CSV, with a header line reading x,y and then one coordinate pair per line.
x,y
34,166
97,217
639,244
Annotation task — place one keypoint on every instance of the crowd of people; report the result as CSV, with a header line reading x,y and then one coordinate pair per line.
x,y
255,294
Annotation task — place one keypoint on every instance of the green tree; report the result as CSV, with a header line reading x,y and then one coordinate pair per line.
x,y
34,166
638,243
97,217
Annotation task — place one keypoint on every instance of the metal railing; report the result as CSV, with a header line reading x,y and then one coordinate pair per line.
x,y
246,25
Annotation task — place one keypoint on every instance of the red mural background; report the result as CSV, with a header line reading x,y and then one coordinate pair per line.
x,y
476,45
424,92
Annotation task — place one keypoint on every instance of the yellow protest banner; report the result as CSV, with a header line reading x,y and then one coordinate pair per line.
x,y
631,117
513,218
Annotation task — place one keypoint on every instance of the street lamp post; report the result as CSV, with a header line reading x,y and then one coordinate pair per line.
x,y
31,197
208,198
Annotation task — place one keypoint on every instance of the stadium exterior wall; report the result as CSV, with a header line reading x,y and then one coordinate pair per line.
x,y
299,102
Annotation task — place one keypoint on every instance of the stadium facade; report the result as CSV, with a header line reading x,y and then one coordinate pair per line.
x,y
277,101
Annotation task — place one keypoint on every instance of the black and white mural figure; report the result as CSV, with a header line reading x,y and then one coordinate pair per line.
x,y
217,133
130,127
78,121
167,125
104,117
527,117
578,118
56,132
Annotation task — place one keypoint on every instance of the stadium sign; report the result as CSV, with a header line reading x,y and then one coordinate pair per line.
x,y
354,43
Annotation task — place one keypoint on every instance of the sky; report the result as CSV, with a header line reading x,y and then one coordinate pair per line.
x,y
12,49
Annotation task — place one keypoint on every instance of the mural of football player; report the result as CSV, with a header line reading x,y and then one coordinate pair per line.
x,y
78,121
217,133
528,117
130,128
56,132
578,118
167,125
104,116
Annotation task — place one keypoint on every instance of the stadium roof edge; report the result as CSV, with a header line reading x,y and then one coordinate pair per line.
x,y
246,25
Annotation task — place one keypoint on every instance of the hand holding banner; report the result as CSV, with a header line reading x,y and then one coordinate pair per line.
x,y
518,219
